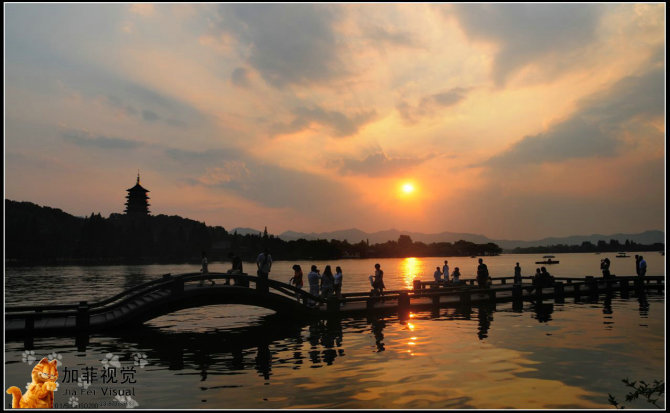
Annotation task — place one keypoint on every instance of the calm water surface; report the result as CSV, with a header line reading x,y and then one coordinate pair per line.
x,y
567,355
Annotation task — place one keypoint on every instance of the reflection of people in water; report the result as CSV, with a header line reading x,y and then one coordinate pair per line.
x,y
543,311
378,331
264,360
484,318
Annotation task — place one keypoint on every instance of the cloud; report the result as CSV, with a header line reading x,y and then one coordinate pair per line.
x,y
150,116
341,124
269,185
145,115
240,77
595,129
528,32
85,139
377,164
431,103
288,44
380,36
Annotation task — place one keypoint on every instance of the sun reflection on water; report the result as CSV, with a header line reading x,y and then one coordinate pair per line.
x,y
411,268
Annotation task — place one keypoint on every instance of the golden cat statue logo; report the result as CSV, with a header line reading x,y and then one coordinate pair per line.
x,y
40,394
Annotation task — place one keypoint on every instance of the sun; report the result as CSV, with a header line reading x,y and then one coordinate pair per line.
x,y
408,188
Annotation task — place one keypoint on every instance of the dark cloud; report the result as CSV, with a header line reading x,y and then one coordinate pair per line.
x,y
527,32
595,128
377,164
269,185
150,116
341,124
240,77
145,114
429,104
286,43
84,139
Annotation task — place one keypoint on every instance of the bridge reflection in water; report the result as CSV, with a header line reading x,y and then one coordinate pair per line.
x,y
249,347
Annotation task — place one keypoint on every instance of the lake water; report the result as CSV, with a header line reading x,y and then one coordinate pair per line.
x,y
567,355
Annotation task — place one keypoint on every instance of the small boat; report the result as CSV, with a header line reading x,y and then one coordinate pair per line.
x,y
548,260
622,255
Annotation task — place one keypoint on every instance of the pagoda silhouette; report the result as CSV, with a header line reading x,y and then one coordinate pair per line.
x,y
137,200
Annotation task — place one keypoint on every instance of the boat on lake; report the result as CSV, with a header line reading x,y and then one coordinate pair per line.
x,y
548,260
622,255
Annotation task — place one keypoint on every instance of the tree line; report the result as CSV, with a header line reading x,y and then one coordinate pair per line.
x,y
43,235
587,246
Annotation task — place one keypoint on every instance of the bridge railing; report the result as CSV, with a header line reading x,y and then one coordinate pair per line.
x,y
168,281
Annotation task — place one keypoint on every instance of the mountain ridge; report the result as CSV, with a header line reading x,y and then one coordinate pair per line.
x,y
355,235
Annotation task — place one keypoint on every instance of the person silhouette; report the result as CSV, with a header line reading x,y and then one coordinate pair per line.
x,y
296,280
517,274
437,275
482,274
456,276
313,278
204,269
378,283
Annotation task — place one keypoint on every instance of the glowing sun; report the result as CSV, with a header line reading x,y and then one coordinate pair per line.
x,y
408,188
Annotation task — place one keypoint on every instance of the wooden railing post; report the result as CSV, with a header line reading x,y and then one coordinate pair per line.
x,y
592,283
465,299
436,300
262,285
517,292
370,302
30,322
623,288
333,304
82,320
416,285
242,281
177,287
403,304
559,292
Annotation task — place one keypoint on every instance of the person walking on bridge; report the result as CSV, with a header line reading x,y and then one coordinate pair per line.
x,y
643,267
327,282
205,269
313,278
264,264
482,274
445,271
338,282
296,280
378,283
517,274
438,276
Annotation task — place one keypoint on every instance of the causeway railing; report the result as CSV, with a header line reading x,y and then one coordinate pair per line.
x,y
175,284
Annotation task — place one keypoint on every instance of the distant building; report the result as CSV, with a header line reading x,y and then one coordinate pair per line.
x,y
137,199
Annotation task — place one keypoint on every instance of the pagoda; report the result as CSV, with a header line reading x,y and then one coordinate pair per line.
x,y
137,200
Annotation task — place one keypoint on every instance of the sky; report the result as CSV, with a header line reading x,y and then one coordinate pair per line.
x,y
514,121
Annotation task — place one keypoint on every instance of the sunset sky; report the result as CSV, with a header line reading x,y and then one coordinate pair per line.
x,y
515,121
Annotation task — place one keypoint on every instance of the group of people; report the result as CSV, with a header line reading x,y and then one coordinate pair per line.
x,y
320,285
439,273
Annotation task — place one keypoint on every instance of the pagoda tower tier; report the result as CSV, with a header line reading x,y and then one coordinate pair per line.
x,y
137,201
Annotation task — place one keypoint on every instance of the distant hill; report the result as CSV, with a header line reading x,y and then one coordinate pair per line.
x,y
354,235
